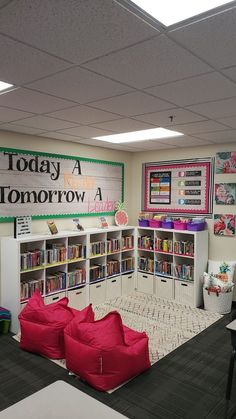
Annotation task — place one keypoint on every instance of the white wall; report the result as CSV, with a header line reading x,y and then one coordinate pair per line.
x,y
28,142
220,248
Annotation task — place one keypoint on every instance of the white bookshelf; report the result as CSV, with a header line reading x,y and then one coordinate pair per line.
x,y
112,260
170,263
59,275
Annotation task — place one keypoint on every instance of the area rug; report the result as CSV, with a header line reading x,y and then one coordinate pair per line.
x,y
167,323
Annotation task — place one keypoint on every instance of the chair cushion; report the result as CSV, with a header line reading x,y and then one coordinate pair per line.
x,y
105,333
42,326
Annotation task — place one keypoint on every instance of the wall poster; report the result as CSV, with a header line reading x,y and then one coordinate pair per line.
x,y
51,185
224,224
226,162
180,187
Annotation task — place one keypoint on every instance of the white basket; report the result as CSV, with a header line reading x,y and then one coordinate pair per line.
x,y
218,303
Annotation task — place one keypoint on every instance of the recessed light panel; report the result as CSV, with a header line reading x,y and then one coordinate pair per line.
x,y
5,86
169,12
142,135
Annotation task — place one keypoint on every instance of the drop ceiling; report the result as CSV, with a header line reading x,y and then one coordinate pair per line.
x,y
86,68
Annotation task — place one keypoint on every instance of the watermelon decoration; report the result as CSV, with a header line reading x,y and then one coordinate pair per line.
x,y
121,216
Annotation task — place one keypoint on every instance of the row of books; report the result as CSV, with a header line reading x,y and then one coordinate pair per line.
x,y
127,242
113,267
56,281
76,277
146,264
31,259
28,288
184,272
184,248
76,251
97,248
164,267
163,245
55,253
145,242
113,245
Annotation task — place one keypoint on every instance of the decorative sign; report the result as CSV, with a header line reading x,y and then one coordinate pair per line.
x,y
22,226
226,162
178,187
224,224
225,193
50,185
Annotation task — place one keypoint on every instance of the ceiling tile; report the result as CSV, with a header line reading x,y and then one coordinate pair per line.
x,y
96,143
84,115
30,101
85,132
10,115
180,116
197,127
230,72
209,41
197,89
134,103
79,85
18,128
186,141
23,64
153,62
123,125
45,123
230,121
216,109
105,26
219,136
59,136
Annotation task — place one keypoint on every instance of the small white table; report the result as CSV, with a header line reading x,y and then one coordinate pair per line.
x,y
59,400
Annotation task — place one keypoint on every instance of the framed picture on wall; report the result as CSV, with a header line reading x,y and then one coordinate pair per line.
x,y
178,187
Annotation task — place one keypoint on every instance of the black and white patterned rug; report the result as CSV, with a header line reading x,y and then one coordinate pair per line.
x,y
167,323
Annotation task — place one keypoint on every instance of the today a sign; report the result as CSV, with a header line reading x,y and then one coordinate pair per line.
x,y
48,185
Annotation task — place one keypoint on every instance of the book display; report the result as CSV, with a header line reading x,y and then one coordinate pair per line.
x,y
90,266
97,265
171,263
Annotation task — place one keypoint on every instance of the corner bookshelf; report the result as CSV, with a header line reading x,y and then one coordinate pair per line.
x,y
86,266
170,263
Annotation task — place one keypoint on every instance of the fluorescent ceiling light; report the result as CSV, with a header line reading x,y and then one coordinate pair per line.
x,y
146,134
169,12
5,86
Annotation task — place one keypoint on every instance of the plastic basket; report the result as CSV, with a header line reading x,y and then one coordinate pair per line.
x,y
196,226
143,223
179,225
155,223
167,224
218,303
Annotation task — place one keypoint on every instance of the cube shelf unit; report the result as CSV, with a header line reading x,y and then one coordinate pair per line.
x,y
86,266
170,263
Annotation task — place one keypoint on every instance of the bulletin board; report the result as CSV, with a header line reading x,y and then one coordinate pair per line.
x,y
178,187
45,185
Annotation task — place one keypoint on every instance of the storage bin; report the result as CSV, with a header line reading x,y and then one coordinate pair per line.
x,y
196,226
179,225
143,223
155,223
217,302
167,224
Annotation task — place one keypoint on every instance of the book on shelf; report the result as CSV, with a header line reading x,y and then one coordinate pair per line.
x,y
76,221
127,242
103,222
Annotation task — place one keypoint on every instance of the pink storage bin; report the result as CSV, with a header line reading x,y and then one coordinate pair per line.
x,y
179,225
196,226
155,223
167,224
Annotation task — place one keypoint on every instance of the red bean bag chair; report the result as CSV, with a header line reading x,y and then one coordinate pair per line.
x,y
105,353
42,326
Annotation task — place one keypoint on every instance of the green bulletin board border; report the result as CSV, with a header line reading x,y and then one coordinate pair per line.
x,y
63,156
